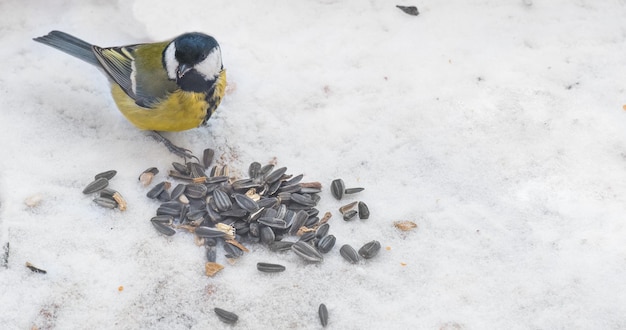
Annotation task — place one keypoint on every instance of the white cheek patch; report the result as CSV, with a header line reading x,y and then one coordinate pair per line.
x,y
171,64
212,64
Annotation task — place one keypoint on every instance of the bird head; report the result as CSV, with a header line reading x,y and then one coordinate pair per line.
x,y
193,60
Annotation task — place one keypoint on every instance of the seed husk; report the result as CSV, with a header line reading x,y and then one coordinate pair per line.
x,y
353,190
146,176
307,251
105,202
207,157
349,215
156,190
210,232
325,218
364,211
212,268
35,269
106,174
347,207
96,186
326,243
370,249
121,203
270,268
323,313
405,225
337,188
226,316
348,253
410,10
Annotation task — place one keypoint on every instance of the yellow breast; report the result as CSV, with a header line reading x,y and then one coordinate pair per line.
x,y
178,112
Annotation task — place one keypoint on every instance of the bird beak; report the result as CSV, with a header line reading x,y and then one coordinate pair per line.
x,y
182,70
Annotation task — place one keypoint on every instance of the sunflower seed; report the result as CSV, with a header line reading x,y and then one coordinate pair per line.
x,y
96,186
35,269
322,230
226,316
294,180
146,176
216,179
349,215
370,249
307,251
105,202
168,210
177,191
207,157
294,188
107,175
326,243
156,190
162,227
280,246
353,190
195,190
302,199
211,253
267,235
254,171
323,313
265,170
235,213
164,196
210,232
268,202
180,168
222,201
275,175
232,252
244,184
273,222
307,237
337,188
410,10
348,253
196,170
310,190
166,219
246,202
269,268
196,215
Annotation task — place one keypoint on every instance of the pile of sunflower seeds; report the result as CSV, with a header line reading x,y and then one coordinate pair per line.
x,y
108,197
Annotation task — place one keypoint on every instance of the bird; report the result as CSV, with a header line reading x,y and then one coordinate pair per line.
x,y
171,86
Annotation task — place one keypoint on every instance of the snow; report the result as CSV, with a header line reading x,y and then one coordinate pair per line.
x,y
496,126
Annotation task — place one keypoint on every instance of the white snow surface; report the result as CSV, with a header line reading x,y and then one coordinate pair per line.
x,y
496,126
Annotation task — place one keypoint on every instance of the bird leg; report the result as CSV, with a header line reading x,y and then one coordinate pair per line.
x,y
176,150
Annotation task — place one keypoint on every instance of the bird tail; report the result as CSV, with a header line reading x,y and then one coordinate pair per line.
x,y
69,44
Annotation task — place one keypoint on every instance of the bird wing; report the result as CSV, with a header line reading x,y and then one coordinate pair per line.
x,y
117,62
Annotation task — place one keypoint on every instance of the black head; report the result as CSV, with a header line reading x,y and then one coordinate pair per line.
x,y
192,58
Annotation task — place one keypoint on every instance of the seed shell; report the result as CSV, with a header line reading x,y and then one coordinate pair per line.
x,y
348,253
349,215
323,313
226,316
307,251
347,207
270,268
96,186
121,203
35,269
353,190
106,174
212,268
370,249
405,225
410,10
337,188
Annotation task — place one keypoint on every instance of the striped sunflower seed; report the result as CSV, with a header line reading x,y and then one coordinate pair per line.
x,y
322,230
207,157
322,311
270,268
254,171
180,168
275,175
177,191
222,201
280,246
302,199
349,215
326,243
364,211
267,235
298,221
307,251
273,222
211,253
337,188
106,202
106,174
209,232
370,249
156,190
353,190
96,186
246,202
146,176
226,316
195,190
348,253
163,227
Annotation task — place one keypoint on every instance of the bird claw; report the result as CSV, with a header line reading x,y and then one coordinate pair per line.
x,y
176,150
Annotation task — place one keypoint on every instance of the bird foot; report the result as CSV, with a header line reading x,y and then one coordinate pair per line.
x,y
176,150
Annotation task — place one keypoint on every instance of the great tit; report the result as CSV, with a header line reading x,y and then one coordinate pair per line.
x,y
173,85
